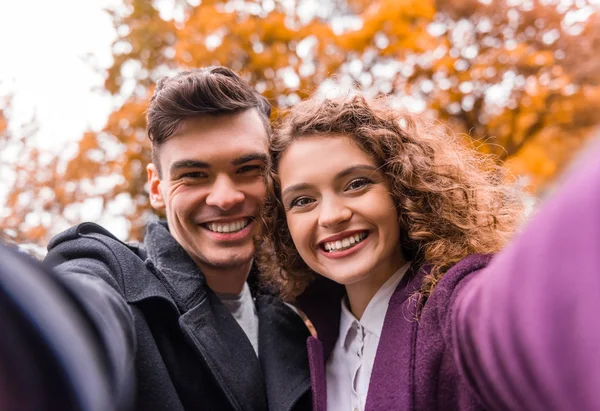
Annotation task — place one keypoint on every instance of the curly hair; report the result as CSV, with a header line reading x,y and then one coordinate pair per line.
x,y
452,201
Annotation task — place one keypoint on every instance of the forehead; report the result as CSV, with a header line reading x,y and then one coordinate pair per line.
x,y
215,139
319,157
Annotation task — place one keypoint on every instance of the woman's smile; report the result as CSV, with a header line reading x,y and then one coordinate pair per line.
x,y
344,244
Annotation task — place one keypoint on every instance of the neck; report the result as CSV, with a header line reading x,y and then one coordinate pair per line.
x,y
226,280
362,292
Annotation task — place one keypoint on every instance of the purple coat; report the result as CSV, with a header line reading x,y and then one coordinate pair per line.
x,y
414,365
519,332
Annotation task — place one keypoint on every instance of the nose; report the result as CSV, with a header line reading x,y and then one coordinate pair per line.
x,y
224,194
333,213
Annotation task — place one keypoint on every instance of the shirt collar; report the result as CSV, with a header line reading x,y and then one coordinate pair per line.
x,y
374,315
347,319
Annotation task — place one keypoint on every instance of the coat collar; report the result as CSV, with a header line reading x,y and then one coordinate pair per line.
x,y
173,266
392,362
321,304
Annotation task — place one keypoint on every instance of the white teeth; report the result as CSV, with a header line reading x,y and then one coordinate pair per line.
x,y
228,227
345,243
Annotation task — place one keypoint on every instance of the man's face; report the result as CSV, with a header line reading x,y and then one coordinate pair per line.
x,y
212,187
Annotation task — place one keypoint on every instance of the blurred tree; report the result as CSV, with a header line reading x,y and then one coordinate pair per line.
x,y
520,79
18,157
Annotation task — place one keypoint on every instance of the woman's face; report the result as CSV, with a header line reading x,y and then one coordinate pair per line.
x,y
339,210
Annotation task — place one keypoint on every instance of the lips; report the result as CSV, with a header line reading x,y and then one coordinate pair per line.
x,y
227,226
343,241
240,229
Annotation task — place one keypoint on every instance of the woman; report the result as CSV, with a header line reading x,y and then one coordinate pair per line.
x,y
380,226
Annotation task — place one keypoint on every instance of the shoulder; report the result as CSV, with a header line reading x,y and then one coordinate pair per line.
x,y
90,236
462,271
451,284
87,242
88,250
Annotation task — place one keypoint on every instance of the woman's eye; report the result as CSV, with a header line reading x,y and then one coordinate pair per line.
x,y
301,202
358,183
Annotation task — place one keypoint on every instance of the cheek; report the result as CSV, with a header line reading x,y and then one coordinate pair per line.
x,y
175,192
182,198
299,233
258,191
255,190
385,215
391,226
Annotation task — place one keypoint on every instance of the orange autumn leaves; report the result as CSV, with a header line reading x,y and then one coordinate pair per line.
x,y
520,80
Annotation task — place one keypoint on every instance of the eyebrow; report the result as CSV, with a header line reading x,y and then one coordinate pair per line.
x,y
187,164
201,164
352,169
295,187
341,174
250,157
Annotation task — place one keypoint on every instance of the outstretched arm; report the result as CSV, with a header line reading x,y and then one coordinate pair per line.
x,y
526,329
52,355
91,273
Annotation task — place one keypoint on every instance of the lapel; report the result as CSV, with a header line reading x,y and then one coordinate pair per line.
x,y
206,323
225,349
282,352
316,362
321,304
173,267
396,350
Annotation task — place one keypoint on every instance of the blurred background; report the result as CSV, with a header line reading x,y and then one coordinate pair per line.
x,y
517,79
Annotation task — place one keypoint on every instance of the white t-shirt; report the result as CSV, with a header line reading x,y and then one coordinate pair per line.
x,y
244,311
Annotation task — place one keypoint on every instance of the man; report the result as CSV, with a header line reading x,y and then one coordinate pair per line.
x,y
184,312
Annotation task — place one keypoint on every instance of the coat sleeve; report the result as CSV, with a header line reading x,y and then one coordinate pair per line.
x,y
90,271
526,332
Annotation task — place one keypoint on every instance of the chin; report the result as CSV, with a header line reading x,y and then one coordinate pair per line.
x,y
232,259
346,279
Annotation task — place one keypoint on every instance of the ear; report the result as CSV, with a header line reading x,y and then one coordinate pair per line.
x,y
156,198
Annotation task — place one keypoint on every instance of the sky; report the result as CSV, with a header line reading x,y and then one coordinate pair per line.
x,y
51,59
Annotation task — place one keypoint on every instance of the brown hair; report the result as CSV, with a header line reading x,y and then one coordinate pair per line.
x,y
207,91
452,201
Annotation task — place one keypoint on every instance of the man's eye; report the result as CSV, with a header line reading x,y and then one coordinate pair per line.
x,y
249,169
193,175
358,183
301,202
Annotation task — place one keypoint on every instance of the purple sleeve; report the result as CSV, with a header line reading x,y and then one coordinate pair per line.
x,y
527,327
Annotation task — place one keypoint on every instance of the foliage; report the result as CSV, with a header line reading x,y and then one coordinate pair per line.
x,y
519,79
17,157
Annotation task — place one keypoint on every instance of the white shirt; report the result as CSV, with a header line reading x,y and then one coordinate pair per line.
x,y
351,362
244,311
